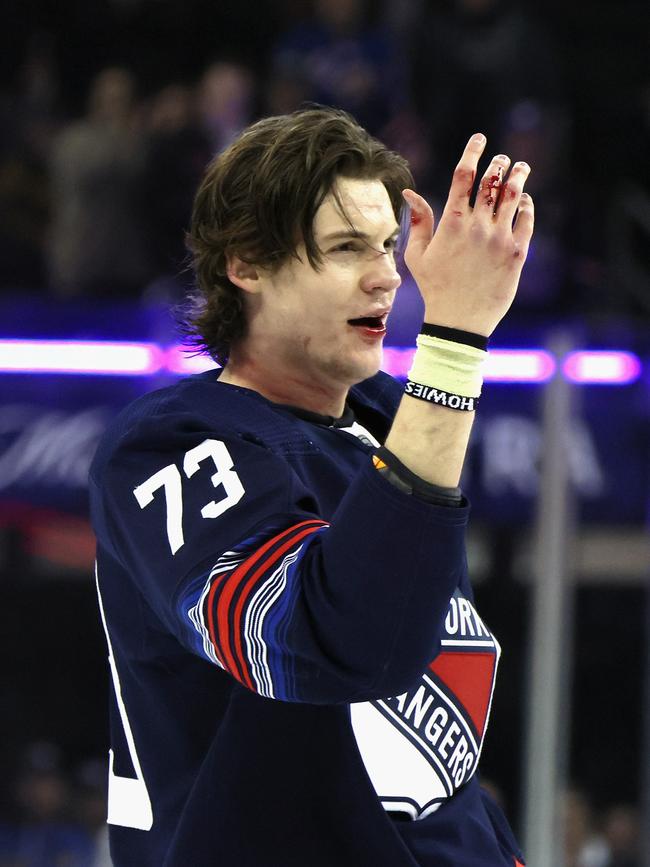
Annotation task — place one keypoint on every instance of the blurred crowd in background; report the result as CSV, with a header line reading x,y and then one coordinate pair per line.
x,y
57,819
111,110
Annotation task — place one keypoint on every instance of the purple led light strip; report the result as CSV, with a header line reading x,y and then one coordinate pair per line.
x,y
80,357
611,367
602,367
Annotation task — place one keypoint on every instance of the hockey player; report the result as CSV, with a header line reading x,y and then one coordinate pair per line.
x,y
300,676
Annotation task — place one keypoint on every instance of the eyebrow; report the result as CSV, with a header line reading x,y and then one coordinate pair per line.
x,y
353,233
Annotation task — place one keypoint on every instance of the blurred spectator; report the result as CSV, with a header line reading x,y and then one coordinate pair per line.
x,y
225,102
628,224
489,66
473,61
89,796
339,56
606,57
185,129
91,808
177,151
583,847
96,244
621,830
43,833
28,119
405,133
539,135
612,842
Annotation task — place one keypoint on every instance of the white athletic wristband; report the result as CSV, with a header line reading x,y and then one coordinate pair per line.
x,y
455,368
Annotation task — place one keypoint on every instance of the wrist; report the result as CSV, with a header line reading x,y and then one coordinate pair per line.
x,y
455,335
447,367
460,323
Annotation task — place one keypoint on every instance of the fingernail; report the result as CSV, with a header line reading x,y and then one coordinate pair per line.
x,y
478,139
501,157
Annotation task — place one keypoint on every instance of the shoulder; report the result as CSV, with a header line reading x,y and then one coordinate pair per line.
x,y
171,419
153,417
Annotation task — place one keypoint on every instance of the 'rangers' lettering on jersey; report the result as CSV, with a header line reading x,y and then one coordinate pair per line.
x,y
421,746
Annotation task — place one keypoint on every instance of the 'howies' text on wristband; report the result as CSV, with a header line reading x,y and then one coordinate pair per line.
x,y
440,397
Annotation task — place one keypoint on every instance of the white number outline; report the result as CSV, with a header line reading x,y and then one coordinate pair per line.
x,y
169,478
225,475
129,804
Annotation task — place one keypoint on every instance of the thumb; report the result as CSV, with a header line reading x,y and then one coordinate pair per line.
x,y
422,223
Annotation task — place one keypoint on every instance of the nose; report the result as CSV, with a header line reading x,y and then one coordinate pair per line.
x,y
381,273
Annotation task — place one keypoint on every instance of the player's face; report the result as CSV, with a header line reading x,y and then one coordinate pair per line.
x,y
328,325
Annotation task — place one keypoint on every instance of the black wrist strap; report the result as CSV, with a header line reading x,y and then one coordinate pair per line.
x,y
478,341
400,476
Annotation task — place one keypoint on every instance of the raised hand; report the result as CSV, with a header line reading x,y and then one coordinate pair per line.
x,y
469,269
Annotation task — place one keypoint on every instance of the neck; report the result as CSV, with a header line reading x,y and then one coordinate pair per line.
x,y
285,386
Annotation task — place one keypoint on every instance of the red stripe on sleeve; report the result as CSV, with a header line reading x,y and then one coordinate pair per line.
x,y
265,567
234,580
213,636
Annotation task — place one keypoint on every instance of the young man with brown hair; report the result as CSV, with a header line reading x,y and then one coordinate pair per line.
x,y
300,675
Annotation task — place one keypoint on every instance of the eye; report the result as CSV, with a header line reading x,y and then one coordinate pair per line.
x,y
390,245
347,247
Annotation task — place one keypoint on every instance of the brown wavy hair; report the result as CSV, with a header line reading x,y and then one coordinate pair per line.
x,y
257,201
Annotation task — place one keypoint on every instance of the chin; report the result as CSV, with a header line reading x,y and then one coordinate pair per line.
x,y
370,371
349,369
364,370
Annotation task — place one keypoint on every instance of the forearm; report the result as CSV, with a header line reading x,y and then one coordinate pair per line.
x,y
434,420
430,440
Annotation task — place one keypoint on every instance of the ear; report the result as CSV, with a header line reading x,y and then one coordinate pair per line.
x,y
242,274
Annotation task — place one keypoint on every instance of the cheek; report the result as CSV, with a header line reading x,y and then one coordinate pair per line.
x,y
313,312
285,313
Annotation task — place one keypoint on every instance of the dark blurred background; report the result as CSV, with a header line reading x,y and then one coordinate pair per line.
x,y
109,112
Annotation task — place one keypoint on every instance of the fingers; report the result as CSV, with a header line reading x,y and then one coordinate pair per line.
x,y
523,228
511,194
464,175
499,198
422,222
491,188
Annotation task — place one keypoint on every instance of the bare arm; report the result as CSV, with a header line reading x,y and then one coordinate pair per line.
x,y
467,273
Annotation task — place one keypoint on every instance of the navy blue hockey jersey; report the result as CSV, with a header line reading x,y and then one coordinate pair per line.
x,y
300,676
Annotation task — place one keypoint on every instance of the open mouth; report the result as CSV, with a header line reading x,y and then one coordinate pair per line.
x,y
374,324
